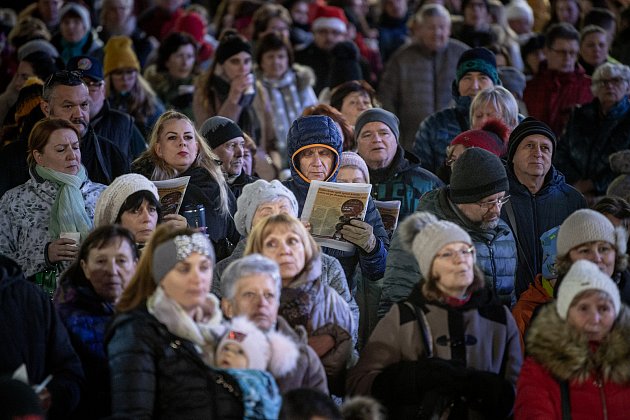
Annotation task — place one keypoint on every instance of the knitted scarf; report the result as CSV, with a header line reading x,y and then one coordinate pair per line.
x,y
68,211
285,103
72,49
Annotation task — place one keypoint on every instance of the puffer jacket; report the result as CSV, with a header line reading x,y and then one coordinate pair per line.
x,y
598,378
24,218
404,180
311,131
438,130
589,139
332,275
158,375
416,83
86,317
534,215
496,255
403,365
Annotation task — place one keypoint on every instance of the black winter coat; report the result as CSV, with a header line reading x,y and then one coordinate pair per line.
x,y
158,375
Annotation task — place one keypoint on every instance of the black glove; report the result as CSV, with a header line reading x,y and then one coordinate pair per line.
x,y
489,393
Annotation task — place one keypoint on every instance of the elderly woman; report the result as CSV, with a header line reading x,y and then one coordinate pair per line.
x,y
252,289
259,200
289,85
132,201
577,365
304,300
85,301
176,149
441,350
595,131
352,98
160,346
173,73
59,199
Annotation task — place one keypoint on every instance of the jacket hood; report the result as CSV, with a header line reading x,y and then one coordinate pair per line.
x,y
567,355
313,131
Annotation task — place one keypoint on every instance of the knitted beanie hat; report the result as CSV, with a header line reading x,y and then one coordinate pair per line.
x,y
491,137
586,225
528,127
29,97
478,59
344,64
272,351
113,197
377,115
218,130
37,45
519,9
119,54
230,45
477,174
254,195
77,10
353,159
424,235
585,275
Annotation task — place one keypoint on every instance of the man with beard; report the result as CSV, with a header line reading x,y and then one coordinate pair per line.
x,y
227,141
473,200
66,96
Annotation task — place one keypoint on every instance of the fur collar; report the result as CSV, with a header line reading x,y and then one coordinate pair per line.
x,y
566,353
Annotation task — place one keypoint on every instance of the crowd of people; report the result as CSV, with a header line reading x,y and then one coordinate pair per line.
x,y
485,276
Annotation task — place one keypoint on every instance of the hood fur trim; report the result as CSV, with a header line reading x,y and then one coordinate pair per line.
x,y
566,353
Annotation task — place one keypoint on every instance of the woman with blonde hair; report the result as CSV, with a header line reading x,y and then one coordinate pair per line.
x,y
176,149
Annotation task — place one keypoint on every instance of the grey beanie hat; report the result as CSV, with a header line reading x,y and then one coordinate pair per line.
x,y
582,276
37,45
169,253
424,235
218,130
477,174
113,197
79,10
586,225
377,115
255,194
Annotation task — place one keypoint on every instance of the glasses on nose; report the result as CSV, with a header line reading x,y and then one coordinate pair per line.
x,y
487,205
459,253
614,81
570,53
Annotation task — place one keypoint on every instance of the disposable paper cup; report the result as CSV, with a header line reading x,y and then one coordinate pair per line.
x,y
75,236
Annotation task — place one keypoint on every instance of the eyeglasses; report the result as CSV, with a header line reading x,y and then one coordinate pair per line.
x,y
570,53
613,81
487,205
459,253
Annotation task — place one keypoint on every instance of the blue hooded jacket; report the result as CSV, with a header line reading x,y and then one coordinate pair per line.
x,y
321,131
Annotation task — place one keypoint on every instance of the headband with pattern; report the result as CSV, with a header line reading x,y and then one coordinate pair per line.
x,y
169,253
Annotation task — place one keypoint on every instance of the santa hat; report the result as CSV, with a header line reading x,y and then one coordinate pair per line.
x,y
271,351
330,17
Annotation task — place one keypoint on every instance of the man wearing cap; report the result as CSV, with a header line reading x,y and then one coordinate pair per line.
x,y
476,71
395,174
314,145
66,96
112,124
540,199
479,188
417,79
226,140
561,82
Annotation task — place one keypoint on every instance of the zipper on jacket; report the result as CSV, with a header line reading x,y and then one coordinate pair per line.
x,y
600,385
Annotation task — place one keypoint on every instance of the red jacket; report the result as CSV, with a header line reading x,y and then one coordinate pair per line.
x,y
528,301
550,95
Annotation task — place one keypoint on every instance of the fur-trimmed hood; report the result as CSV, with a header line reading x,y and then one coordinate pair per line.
x,y
567,355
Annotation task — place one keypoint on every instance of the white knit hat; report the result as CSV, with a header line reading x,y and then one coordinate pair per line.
x,y
424,235
353,159
113,197
254,195
585,275
272,351
586,225
80,11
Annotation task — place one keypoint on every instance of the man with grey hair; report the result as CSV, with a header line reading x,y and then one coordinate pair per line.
x,y
251,288
417,79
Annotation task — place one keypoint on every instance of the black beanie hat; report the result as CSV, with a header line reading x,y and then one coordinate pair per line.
x,y
477,174
344,64
230,45
218,130
528,127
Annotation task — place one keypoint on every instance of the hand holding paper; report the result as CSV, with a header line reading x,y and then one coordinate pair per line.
x,y
359,233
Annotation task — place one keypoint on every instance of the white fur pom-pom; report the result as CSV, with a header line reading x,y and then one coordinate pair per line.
x,y
284,354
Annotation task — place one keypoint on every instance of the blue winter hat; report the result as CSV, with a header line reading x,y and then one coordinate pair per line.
x,y
478,59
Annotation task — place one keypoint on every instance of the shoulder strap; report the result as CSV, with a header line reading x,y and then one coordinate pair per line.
x,y
509,210
425,333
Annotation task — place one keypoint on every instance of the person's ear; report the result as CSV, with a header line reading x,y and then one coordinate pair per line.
x,y
84,268
227,308
45,107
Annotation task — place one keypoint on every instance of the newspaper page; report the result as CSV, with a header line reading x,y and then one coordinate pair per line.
x,y
330,205
389,210
171,193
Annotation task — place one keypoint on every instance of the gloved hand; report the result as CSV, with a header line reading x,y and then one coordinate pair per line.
x,y
359,233
489,393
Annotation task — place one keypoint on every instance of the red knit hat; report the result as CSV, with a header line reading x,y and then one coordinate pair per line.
x,y
330,17
492,137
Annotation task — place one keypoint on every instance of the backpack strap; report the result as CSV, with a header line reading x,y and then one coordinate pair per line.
x,y
425,331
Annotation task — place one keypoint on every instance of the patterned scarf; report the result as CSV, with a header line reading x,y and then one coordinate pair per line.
x,y
285,103
68,211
